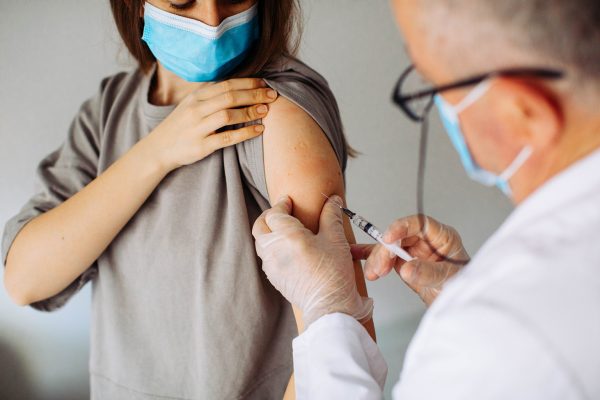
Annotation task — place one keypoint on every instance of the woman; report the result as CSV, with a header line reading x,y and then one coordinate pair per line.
x,y
153,195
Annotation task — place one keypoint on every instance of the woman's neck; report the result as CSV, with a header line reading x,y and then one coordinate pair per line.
x,y
169,89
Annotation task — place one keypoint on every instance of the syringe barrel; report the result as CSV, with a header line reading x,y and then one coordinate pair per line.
x,y
366,227
376,234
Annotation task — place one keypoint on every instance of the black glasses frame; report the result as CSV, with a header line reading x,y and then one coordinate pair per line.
x,y
402,100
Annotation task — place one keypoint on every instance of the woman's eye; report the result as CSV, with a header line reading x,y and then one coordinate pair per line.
x,y
183,6
179,6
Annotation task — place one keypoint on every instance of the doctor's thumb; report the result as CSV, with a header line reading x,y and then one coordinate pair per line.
x,y
331,221
408,271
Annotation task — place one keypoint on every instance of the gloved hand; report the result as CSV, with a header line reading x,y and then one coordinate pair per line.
x,y
313,272
428,272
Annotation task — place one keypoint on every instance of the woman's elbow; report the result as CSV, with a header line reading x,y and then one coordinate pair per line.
x,y
14,284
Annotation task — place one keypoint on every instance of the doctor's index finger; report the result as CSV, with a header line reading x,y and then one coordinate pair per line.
x,y
414,225
261,225
428,274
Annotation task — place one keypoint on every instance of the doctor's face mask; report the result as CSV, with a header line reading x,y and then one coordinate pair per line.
x,y
449,116
198,52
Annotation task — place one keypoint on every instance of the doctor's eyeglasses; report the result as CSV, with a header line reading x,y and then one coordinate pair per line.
x,y
414,95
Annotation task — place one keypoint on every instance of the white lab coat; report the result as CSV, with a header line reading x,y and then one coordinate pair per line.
x,y
521,321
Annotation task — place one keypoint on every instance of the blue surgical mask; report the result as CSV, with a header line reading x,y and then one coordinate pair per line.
x,y
449,115
198,52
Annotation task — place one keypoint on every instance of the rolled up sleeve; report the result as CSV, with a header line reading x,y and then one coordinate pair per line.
x,y
60,175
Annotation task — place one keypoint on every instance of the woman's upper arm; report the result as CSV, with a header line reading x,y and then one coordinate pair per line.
x,y
299,161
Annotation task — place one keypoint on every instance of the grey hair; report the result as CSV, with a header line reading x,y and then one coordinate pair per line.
x,y
501,33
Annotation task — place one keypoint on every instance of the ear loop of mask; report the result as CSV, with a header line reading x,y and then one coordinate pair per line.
x,y
421,189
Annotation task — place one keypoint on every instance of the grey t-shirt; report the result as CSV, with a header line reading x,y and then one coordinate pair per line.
x,y
180,306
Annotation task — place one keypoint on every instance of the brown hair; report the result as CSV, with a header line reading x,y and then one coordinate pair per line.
x,y
280,23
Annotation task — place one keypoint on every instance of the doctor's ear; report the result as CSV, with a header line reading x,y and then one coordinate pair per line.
x,y
528,111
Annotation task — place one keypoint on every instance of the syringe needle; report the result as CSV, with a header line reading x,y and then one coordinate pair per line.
x,y
337,204
373,232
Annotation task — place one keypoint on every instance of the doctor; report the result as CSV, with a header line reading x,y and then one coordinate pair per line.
x,y
517,84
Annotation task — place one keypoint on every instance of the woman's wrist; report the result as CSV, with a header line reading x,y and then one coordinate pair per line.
x,y
150,157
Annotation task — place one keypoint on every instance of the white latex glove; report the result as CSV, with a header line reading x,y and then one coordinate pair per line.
x,y
313,272
428,272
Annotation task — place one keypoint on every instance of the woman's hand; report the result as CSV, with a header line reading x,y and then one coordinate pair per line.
x,y
429,242
189,134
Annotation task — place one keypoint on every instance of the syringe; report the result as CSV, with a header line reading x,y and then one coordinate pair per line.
x,y
375,233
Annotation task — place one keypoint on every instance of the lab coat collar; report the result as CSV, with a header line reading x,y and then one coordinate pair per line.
x,y
580,179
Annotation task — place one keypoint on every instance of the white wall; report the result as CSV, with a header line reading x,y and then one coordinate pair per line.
x,y
52,57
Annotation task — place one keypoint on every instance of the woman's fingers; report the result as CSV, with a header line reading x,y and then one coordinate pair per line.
x,y
210,91
229,117
230,138
237,99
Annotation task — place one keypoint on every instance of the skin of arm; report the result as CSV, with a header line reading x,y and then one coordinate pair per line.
x,y
300,162
64,240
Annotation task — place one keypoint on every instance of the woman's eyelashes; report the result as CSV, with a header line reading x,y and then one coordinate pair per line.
x,y
182,6
186,5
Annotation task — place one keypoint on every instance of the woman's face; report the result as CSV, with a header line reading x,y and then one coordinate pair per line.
x,y
211,12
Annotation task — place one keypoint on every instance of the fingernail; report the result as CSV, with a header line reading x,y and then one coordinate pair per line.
x,y
407,271
262,109
371,277
369,273
259,128
263,83
288,203
387,237
286,200
336,199
272,94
